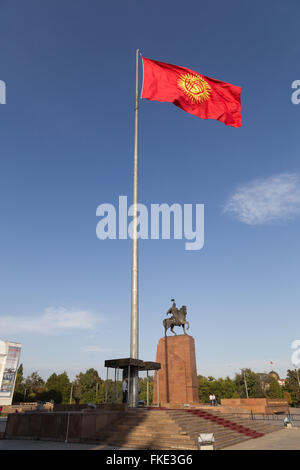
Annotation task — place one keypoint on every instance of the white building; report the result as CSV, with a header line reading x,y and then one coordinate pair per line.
x,y
9,360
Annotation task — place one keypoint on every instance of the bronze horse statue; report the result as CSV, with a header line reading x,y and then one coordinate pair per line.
x,y
178,319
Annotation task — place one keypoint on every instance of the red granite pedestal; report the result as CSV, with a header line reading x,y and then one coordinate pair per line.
x,y
177,381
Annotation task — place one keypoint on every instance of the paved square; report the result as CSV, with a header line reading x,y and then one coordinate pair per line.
x,y
285,439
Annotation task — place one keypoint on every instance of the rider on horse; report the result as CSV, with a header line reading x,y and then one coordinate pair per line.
x,y
173,310
178,318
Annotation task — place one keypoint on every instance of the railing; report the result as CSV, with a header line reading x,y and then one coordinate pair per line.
x,y
267,417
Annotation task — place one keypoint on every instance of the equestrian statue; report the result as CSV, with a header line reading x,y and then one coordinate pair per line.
x,y
178,318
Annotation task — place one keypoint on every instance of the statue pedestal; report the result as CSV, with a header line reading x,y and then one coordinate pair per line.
x,y
177,382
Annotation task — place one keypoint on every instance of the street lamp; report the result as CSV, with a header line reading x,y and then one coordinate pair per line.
x,y
71,394
245,381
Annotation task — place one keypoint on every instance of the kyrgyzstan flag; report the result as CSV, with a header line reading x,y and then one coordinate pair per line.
x,y
203,96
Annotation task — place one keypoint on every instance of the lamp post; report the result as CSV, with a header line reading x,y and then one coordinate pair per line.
x,y
97,387
245,381
71,394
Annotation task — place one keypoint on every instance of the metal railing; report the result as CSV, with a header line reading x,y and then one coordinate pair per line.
x,y
266,417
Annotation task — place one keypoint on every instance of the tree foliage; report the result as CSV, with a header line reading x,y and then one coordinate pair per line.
x,y
249,380
274,390
292,386
221,388
89,387
19,385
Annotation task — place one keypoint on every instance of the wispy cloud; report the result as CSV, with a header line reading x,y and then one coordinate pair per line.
x,y
266,200
51,321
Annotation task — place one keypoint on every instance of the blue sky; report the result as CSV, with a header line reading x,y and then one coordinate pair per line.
x,y
66,140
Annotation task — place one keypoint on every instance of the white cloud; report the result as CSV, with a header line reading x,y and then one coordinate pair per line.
x,y
266,200
52,321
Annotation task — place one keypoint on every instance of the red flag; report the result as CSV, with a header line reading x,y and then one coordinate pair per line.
x,y
203,96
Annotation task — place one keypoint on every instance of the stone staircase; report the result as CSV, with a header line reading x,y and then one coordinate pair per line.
x,y
227,430
263,427
145,429
167,429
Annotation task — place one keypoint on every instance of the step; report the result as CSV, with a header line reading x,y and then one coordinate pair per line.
x,y
200,425
150,446
124,425
227,423
153,425
154,421
165,444
117,435
147,423
224,436
140,440
217,434
141,445
159,438
172,429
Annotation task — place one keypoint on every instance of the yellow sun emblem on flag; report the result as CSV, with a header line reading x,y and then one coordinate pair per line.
x,y
194,86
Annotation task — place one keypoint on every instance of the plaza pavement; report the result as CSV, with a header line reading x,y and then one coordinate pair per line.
x,y
8,444
283,439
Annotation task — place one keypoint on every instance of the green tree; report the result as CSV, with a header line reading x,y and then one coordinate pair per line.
x,y
19,386
221,388
274,390
86,387
254,386
109,386
34,385
292,386
287,397
143,389
58,388
229,389
203,389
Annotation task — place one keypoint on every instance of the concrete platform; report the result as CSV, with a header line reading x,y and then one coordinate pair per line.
x,y
284,439
6,444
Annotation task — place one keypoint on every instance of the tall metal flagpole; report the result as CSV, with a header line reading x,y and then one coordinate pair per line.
x,y
134,331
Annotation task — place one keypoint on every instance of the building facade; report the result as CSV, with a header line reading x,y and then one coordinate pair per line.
x,y
276,377
9,360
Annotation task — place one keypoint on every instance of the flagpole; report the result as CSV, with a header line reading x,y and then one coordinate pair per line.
x,y
134,330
